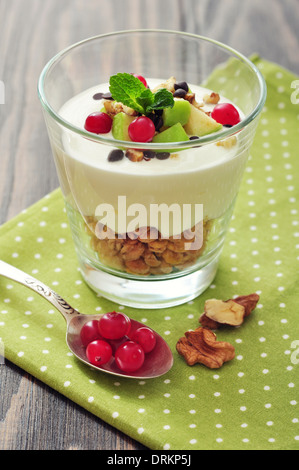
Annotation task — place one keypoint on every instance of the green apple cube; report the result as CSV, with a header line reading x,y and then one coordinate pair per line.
x,y
120,124
174,133
200,123
180,112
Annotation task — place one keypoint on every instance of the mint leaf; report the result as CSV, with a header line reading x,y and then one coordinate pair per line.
x,y
146,99
126,88
129,90
162,99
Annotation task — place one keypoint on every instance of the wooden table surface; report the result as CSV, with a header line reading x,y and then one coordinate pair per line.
x,y
33,416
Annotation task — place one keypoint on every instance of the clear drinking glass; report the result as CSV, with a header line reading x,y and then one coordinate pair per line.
x,y
171,215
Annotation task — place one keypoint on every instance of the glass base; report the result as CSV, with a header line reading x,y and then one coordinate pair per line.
x,y
149,294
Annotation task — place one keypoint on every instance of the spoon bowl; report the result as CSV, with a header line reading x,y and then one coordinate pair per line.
x,y
158,362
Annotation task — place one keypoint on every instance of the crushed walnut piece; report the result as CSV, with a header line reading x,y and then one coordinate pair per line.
x,y
227,143
229,312
201,346
213,98
114,107
134,155
191,98
168,84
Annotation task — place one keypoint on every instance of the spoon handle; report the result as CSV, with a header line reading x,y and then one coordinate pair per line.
x,y
19,276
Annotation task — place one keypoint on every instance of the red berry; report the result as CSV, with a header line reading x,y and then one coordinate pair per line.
x,y
98,123
129,356
89,332
142,79
98,352
142,129
115,343
114,325
145,337
226,114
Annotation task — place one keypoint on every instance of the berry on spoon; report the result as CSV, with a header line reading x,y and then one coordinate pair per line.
x,y
145,337
114,325
129,357
90,332
98,352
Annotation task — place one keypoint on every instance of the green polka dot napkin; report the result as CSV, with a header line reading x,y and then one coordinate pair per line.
x,y
252,402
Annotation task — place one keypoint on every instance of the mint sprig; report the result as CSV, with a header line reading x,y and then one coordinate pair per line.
x,y
130,91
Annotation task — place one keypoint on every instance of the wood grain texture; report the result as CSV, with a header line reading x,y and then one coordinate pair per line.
x,y
32,416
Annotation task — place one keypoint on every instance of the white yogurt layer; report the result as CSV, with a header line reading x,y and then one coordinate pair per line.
x,y
209,175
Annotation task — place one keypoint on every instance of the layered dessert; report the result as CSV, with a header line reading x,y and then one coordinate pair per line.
x,y
125,187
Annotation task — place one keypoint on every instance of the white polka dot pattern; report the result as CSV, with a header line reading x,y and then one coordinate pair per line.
x,y
252,401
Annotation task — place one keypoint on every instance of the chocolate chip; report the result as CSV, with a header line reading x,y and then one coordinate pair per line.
x,y
98,96
183,85
107,96
149,154
115,155
179,93
163,155
194,137
159,123
157,120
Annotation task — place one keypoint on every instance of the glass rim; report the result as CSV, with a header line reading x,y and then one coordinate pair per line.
x,y
209,138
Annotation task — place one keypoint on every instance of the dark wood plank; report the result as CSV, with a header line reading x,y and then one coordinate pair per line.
x,y
33,417
31,32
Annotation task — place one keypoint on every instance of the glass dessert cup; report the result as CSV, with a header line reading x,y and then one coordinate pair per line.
x,y
149,232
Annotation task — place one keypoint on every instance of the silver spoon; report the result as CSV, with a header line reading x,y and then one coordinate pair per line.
x,y
157,362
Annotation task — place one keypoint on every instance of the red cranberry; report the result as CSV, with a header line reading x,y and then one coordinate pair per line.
x,y
142,129
142,79
129,356
98,352
226,114
145,337
98,123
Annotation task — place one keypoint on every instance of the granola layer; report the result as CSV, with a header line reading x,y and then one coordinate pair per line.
x,y
145,252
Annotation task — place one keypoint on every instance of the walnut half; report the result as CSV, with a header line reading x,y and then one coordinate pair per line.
x,y
229,312
201,346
